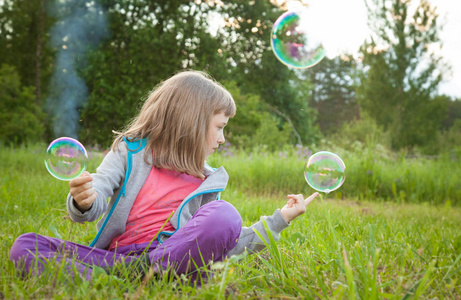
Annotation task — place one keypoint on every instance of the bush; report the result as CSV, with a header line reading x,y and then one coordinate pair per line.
x,y
253,126
21,118
450,141
268,134
364,131
248,117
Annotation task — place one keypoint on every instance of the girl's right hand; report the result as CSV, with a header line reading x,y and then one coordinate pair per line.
x,y
82,191
296,206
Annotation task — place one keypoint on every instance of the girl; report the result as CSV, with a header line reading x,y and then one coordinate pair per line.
x,y
156,170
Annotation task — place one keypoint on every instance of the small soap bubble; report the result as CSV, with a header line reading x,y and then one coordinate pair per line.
x,y
325,171
66,158
295,42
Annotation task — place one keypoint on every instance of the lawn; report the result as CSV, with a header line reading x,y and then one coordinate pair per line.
x,y
343,247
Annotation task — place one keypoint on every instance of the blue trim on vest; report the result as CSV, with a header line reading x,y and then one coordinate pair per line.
x,y
105,221
133,147
136,145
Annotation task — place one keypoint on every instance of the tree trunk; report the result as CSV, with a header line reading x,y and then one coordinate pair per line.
x,y
38,62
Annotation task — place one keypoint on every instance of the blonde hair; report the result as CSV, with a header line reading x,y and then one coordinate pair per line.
x,y
175,119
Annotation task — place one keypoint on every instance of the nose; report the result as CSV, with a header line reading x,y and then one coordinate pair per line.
x,y
221,139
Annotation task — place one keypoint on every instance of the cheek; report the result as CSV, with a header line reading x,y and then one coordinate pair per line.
x,y
210,137
215,137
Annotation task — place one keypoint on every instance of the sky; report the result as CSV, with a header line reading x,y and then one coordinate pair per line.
x,y
352,15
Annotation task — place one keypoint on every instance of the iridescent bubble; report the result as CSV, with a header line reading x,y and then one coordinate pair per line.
x,y
66,158
324,171
295,42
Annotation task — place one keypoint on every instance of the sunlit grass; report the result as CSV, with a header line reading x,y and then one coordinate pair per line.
x,y
352,248
371,173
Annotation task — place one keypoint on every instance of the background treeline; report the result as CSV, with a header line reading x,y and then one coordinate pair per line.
x,y
82,69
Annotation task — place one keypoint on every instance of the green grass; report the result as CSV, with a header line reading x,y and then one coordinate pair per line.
x,y
372,173
356,248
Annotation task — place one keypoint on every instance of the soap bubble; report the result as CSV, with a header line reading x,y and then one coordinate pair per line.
x,y
295,42
66,158
324,171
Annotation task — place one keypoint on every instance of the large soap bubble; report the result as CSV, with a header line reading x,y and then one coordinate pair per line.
x,y
66,158
324,171
294,42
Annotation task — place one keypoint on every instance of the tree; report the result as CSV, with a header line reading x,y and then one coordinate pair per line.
x,y
452,111
149,41
253,65
248,118
401,71
24,42
21,119
97,87
333,94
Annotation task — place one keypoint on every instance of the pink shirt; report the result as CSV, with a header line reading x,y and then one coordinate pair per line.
x,y
162,193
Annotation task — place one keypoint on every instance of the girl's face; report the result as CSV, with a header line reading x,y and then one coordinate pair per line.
x,y
215,135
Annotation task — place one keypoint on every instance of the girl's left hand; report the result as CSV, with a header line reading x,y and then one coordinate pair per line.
x,y
296,206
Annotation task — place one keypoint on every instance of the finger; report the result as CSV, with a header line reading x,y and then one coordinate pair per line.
x,y
311,198
75,190
81,192
86,203
79,197
297,197
82,179
290,202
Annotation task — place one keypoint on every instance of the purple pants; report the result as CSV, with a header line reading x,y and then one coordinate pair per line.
x,y
211,233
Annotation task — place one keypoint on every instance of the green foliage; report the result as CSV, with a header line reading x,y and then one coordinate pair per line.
x,y
151,40
398,87
269,135
363,131
24,42
247,118
21,119
452,111
449,140
253,126
141,52
333,92
254,66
